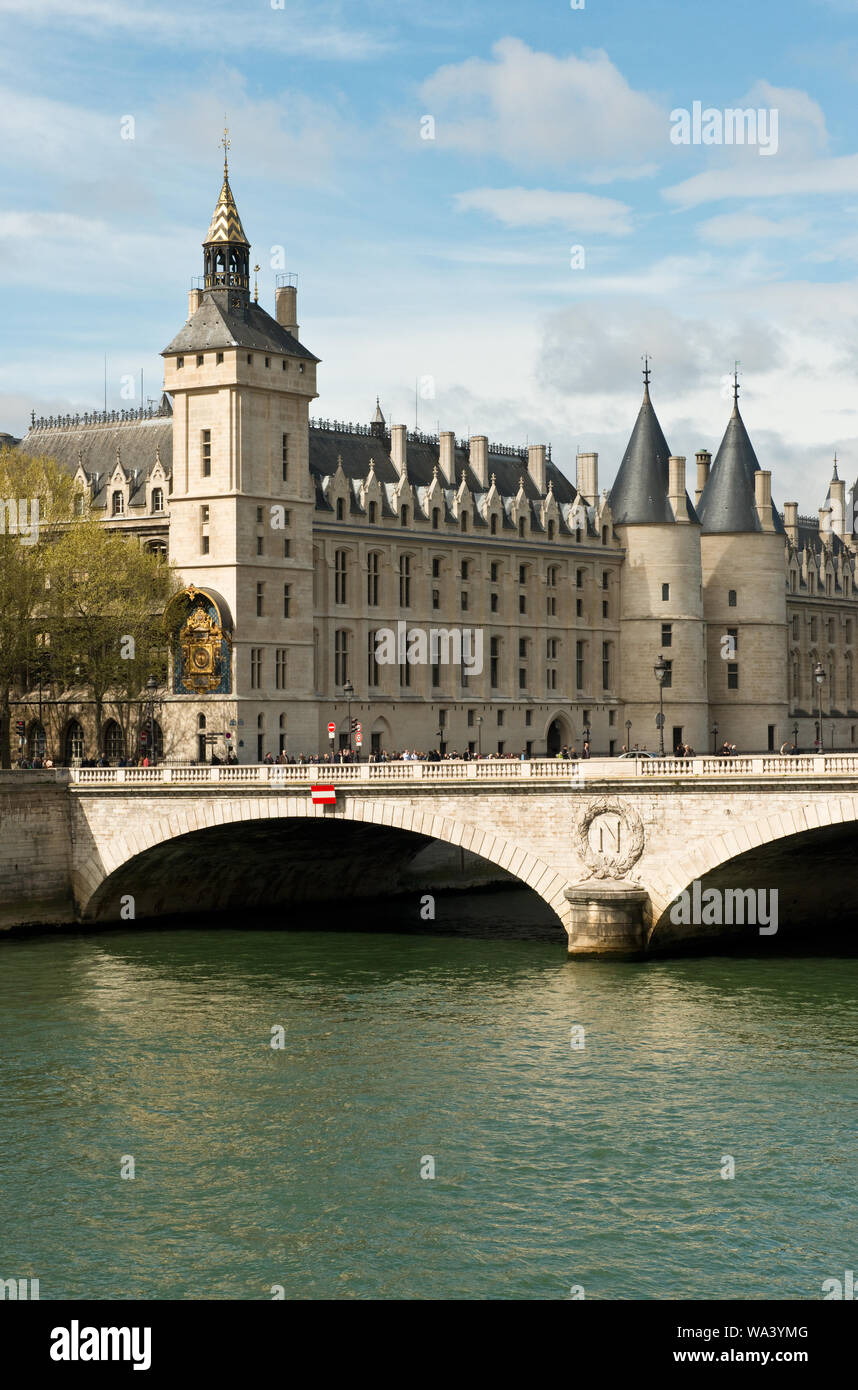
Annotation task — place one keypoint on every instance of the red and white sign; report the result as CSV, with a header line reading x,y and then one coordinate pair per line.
x,y
358,741
323,796
332,729
358,729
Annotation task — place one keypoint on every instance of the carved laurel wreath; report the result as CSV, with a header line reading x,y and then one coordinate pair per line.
x,y
600,864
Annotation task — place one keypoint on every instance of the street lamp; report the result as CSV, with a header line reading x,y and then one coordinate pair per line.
x,y
479,735
348,691
628,736
151,687
660,670
819,677
715,737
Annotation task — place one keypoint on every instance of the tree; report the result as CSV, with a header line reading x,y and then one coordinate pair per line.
x,y
36,501
107,598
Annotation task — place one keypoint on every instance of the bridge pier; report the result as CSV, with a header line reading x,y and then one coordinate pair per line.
x,y
608,920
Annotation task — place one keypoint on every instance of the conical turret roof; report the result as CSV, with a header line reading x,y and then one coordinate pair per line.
x,y
728,501
226,223
639,495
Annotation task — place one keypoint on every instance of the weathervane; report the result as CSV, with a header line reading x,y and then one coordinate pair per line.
x,y
646,374
225,141
736,383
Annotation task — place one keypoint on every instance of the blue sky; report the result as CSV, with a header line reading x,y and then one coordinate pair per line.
x,y
447,261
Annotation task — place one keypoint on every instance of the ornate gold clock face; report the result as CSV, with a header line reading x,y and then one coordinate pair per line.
x,y
201,658
201,640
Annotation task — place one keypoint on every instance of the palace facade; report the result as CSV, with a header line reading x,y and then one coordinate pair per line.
x,y
299,540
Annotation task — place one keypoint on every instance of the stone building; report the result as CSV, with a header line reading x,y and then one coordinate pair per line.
x,y
316,553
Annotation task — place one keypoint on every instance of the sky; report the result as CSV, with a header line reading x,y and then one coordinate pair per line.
x,y
486,205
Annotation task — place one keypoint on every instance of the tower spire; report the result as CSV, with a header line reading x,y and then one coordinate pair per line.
x,y
225,141
736,385
227,250
646,371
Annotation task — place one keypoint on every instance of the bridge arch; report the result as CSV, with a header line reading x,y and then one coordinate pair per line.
x,y
787,849
103,873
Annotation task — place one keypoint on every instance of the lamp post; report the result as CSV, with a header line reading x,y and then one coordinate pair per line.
x,y
819,677
715,737
660,671
348,691
479,735
628,736
151,687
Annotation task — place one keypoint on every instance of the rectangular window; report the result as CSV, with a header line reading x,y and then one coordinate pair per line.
x,y
436,568
470,719
551,606
522,574
259,516
579,608
260,600
436,675
522,647
731,598
604,608
579,665
286,592
528,718
494,662
436,598
463,569
500,718
341,656
219,358
522,603
606,665
180,361
280,668
205,545
493,573
665,593
373,566
522,678
255,668
666,634
579,579
732,675
260,545
605,578
200,359
733,632
284,457
207,453
668,676
405,675
372,675
286,548
493,603
204,514
405,582
340,576
463,601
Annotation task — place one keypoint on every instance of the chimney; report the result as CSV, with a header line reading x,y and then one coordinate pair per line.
x,y
791,523
195,299
479,459
676,486
588,477
704,462
447,456
536,466
763,498
825,525
286,308
399,447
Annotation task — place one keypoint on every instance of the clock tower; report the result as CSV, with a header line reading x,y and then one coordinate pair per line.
x,y
241,506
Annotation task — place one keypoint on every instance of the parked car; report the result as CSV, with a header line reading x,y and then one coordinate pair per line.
x,y
639,754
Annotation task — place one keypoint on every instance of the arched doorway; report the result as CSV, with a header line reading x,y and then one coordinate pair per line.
x,y
557,737
73,743
113,741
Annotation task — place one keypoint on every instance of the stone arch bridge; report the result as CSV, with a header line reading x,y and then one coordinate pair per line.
x,y
608,844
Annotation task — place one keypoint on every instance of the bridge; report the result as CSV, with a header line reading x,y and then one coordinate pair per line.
x,y
608,844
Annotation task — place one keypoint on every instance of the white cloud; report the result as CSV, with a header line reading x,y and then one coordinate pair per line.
x,y
537,207
735,228
292,29
533,108
767,179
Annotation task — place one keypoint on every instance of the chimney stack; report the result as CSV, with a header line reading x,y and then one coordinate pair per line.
x,y
838,507
588,477
763,498
195,299
536,466
704,461
399,447
479,459
676,486
447,457
791,523
286,308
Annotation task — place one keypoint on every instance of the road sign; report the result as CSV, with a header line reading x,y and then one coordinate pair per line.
x,y
358,742
323,795
659,721
358,729
332,729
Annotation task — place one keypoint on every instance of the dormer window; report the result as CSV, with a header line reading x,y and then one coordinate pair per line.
x,y
341,511
157,499
117,503
78,504
373,509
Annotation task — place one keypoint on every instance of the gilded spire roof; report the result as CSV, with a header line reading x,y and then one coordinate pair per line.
x,y
226,223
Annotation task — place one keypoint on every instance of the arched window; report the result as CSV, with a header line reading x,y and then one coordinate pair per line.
x,y
117,504
403,517
157,499
373,509
341,511
73,745
113,741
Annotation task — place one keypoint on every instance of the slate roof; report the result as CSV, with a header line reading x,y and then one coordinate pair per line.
x,y
95,447
728,500
213,325
639,496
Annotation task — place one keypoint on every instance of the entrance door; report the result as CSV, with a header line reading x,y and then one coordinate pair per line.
x,y
555,737
677,737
